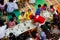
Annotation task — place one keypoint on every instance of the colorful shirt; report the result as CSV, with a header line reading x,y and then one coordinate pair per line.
x,y
43,8
38,11
11,6
2,31
22,18
39,19
2,6
11,24
28,15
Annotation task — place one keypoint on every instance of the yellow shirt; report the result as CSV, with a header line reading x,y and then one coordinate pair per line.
x,y
27,15
22,18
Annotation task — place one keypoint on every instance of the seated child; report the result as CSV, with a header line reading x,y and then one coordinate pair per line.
x,y
2,30
11,6
12,36
38,19
58,8
11,23
38,11
22,17
2,5
15,18
44,7
5,16
52,9
28,14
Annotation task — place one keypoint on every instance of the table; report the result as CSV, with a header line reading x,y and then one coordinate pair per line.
x,y
20,28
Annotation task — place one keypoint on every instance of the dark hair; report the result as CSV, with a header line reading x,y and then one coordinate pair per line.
x,y
11,19
33,34
23,13
32,17
11,0
39,5
1,2
45,5
51,6
29,9
12,36
4,21
48,35
13,15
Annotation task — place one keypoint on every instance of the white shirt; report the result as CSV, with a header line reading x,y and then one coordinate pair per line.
x,y
11,6
2,31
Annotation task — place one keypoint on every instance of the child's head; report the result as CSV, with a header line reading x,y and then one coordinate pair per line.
x,y
13,15
11,0
42,27
29,10
11,19
22,13
45,5
51,6
10,34
39,6
5,13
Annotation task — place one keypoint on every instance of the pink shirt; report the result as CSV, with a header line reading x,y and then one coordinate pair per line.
x,y
11,24
2,6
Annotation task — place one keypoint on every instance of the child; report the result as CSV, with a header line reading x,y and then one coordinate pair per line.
x,y
28,14
44,7
38,11
11,23
15,18
5,16
2,5
38,19
55,18
22,17
52,9
2,30
11,6
55,30
42,33
12,36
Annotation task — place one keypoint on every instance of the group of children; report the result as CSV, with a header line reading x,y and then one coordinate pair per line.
x,y
46,19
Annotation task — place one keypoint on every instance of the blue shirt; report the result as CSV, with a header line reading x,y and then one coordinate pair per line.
x,y
38,11
43,35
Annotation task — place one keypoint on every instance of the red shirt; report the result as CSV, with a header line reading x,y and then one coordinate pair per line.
x,y
39,19
43,8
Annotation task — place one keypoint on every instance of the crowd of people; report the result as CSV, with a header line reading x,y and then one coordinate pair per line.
x,y
46,19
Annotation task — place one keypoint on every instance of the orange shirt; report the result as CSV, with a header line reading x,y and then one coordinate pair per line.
x,y
58,8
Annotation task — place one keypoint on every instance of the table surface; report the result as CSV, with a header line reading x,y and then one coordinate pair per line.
x,y
20,28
